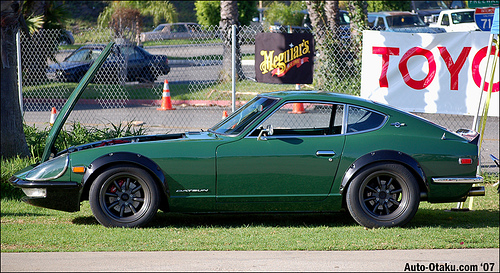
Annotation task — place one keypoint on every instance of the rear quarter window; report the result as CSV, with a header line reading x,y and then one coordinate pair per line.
x,y
362,120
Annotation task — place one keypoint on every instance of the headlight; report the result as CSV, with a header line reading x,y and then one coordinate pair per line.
x,y
48,170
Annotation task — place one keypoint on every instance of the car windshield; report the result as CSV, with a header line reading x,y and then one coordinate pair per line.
x,y
159,28
420,5
244,116
462,17
83,55
404,21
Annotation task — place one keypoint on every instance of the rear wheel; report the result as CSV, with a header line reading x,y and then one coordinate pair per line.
x,y
124,196
383,195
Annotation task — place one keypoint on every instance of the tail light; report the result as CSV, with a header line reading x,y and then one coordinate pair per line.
x,y
465,161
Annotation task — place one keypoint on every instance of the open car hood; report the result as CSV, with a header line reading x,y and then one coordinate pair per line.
x,y
70,103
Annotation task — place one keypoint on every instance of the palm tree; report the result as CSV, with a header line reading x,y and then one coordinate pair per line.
x,y
126,12
229,17
13,140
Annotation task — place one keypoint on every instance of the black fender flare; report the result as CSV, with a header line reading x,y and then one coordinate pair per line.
x,y
384,155
123,157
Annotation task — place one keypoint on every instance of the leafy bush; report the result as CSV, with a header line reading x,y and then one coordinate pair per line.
x,y
76,135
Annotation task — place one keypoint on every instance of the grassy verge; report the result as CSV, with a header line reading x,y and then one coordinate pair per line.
x,y
153,91
30,229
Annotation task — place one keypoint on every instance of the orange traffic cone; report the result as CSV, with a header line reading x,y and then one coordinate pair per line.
x,y
224,114
298,108
53,114
166,103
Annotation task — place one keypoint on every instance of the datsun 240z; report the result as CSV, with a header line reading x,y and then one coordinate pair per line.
x,y
280,152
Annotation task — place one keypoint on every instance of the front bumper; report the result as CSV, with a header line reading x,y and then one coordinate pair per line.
x,y
63,196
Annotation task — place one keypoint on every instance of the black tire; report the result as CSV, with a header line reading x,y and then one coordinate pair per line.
x,y
124,196
383,195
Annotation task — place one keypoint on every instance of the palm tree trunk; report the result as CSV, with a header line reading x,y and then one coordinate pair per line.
x,y
13,140
229,17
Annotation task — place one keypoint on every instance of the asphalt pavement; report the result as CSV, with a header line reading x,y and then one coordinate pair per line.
x,y
441,260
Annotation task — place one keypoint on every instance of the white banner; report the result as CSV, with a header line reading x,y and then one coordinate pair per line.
x,y
428,73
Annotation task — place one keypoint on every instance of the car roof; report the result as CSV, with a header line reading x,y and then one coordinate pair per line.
x,y
391,13
320,96
457,10
173,24
102,46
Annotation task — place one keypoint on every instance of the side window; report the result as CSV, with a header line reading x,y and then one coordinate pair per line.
x,y
380,24
179,28
131,53
296,119
371,22
445,21
360,119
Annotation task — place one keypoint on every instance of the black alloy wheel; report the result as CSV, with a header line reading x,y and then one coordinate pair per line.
x,y
383,195
124,196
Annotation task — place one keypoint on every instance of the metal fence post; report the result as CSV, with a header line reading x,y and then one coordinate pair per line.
x,y
233,68
19,71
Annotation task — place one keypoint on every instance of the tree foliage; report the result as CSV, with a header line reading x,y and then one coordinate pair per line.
x,y
388,5
282,14
160,11
208,12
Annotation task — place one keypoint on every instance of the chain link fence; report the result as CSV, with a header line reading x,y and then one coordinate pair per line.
x,y
128,87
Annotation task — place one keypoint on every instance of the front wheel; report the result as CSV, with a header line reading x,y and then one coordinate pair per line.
x,y
124,196
383,195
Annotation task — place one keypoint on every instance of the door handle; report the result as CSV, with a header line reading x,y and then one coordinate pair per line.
x,y
325,153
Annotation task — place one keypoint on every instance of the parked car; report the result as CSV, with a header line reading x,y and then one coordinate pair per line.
x,y
139,64
456,20
175,31
306,27
428,11
297,151
399,21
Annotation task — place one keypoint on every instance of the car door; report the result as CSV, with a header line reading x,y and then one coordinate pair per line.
x,y
297,162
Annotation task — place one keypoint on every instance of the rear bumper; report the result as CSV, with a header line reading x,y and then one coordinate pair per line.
x,y
460,180
474,191
63,196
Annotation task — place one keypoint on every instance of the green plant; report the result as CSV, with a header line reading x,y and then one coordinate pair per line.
x,y
76,135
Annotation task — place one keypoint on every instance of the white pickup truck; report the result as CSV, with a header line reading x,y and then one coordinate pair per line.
x,y
456,20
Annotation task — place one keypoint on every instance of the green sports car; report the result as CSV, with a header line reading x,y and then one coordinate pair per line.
x,y
280,152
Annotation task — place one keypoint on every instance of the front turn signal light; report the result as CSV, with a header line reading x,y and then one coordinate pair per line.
x,y
79,169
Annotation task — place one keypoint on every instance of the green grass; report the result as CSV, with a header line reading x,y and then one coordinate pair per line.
x,y
31,229
219,91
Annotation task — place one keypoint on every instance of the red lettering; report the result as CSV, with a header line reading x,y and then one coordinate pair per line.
x,y
480,55
403,68
454,68
385,52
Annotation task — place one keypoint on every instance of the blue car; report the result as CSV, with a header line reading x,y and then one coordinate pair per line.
x,y
126,63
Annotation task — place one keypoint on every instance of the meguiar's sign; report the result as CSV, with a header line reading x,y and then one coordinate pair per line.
x,y
284,58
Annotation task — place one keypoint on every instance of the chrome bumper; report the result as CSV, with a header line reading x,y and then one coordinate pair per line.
x,y
474,191
461,180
